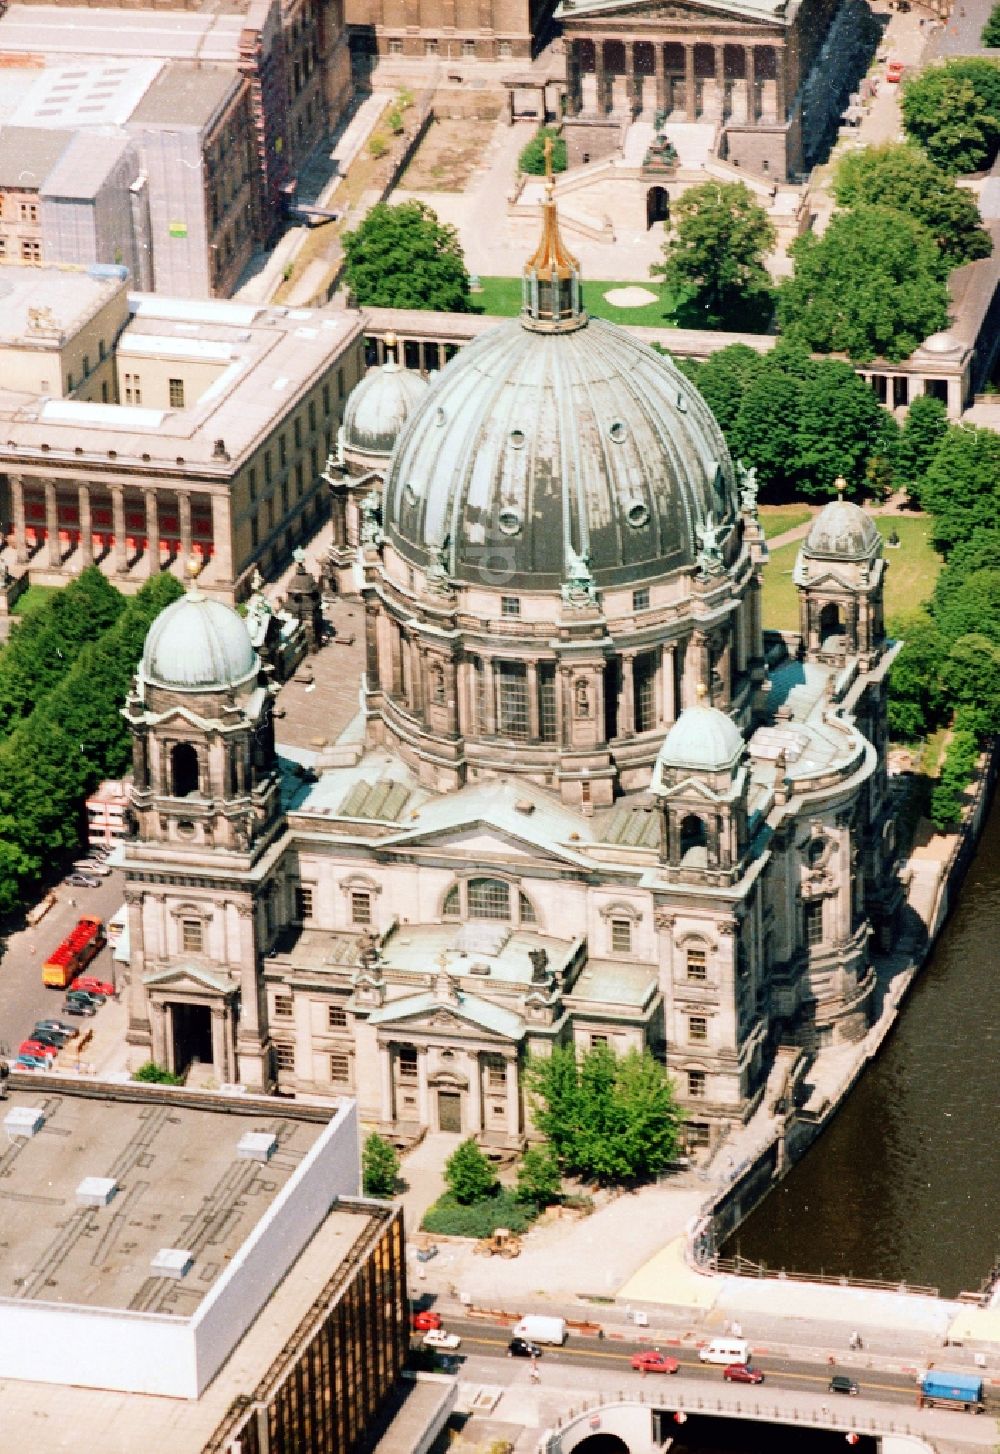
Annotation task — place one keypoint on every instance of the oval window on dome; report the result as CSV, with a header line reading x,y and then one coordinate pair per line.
x,y
509,520
410,494
682,403
618,431
517,438
440,418
637,514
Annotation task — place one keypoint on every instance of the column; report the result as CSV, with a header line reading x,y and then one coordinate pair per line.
x,y
626,699
20,535
689,92
86,527
513,1100
489,698
779,82
533,715
475,1104
219,1056
385,1068
118,517
184,514
668,676
631,80
602,92
222,537
52,525
423,1090
751,74
152,533
720,79
660,72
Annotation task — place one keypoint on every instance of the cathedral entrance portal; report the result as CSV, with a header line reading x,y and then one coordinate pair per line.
x,y
657,206
450,1111
192,1035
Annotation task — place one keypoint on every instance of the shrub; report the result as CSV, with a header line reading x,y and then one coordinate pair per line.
x,y
532,158
379,1167
450,1218
538,1178
154,1074
377,146
394,121
469,1175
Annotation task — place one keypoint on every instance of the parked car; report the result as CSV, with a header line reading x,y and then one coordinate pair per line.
x,y
58,1027
840,1383
35,1047
92,865
83,881
51,1039
523,1348
425,1321
75,993
80,1007
32,1062
742,1373
651,1360
92,986
438,1338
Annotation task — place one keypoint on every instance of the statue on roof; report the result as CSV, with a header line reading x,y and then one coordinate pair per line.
x,y
439,567
710,537
579,588
748,487
371,521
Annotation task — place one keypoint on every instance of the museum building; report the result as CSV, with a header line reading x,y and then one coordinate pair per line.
x,y
584,799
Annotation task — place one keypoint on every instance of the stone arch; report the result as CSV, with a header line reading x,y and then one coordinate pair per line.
x,y
184,770
693,834
831,621
657,206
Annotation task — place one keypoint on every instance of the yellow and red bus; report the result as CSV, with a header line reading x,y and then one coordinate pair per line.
x,y
74,953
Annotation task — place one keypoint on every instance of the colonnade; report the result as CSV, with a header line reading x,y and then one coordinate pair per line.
x,y
122,526
685,80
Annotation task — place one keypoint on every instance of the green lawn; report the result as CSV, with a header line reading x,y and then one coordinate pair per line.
x,y
913,569
778,518
502,298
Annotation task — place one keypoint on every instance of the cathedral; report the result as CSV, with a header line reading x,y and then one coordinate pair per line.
x,y
585,799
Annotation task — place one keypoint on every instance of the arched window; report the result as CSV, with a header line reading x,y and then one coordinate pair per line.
x,y
451,908
830,623
694,834
489,898
527,908
183,770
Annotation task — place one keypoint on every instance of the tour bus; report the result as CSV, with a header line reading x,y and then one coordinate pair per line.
x,y
74,953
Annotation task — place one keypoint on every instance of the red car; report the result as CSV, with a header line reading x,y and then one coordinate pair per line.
x,y
35,1047
742,1373
894,72
93,986
653,1361
425,1322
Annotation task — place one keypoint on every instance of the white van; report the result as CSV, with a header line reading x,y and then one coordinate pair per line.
x,y
725,1350
538,1329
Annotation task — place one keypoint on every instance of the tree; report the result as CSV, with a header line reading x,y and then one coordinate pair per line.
x,y
538,1178
953,111
904,178
990,37
919,440
716,252
971,679
961,488
469,1175
609,1117
915,697
871,286
722,380
532,158
379,1167
842,431
403,257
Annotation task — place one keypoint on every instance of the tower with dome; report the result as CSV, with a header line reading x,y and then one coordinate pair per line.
x,y
586,800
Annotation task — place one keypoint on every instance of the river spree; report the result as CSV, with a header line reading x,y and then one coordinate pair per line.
x,y
905,1183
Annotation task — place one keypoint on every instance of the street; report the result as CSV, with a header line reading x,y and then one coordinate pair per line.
x,y
23,997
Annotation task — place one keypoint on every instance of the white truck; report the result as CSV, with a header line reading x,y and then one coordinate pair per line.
x,y
536,1328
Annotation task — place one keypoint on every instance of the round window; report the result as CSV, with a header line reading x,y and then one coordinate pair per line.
x,y
637,514
509,520
618,431
517,438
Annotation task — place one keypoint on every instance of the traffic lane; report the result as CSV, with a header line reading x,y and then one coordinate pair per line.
x,y
23,997
779,1373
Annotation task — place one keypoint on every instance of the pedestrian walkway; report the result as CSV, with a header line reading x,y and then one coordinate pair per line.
x,y
423,1173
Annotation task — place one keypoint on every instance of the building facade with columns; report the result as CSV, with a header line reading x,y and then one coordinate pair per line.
x,y
768,75
585,801
139,430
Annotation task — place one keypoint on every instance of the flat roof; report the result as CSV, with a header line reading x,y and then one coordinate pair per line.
x,y
70,295
86,31
180,1184
186,94
119,1423
81,92
86,163
28,154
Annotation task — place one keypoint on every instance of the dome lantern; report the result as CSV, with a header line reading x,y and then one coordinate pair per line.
x,y
551,296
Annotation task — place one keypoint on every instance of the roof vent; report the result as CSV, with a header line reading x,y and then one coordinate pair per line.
x,y
525,806
96,1191
480,967
24,1121
256,1146
172,1262
219,450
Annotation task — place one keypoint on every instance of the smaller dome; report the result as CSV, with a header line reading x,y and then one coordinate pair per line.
x,y
198,645
941,343
379,406
702,738
842,531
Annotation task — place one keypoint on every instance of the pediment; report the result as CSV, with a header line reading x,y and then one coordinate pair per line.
x,y
672,10
188,979
693,787
486,844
